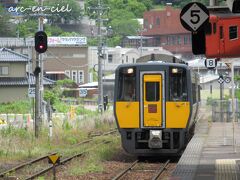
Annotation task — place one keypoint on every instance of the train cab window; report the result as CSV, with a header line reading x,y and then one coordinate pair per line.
x,y
152,91
127,85
178,84
233,32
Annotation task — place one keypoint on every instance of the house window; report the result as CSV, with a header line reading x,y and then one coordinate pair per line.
x,y
74,76
233,32
145,23
157,40
133,60
67,73
185,40
173,40
3,70
81,77
110,58
158,21
126,59
179,40
168,40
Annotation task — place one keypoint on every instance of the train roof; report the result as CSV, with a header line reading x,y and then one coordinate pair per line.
x,y
153,63
225,16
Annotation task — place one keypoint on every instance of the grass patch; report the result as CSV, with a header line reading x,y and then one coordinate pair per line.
x,y
205,94
20,144
93,161
18,107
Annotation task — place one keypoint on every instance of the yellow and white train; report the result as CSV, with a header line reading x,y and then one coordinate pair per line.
x,y
155,106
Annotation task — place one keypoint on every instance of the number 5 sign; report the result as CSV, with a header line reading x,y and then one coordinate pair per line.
x,y
194,16
210,63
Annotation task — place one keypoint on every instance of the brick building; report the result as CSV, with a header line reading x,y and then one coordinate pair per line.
x,y
166,31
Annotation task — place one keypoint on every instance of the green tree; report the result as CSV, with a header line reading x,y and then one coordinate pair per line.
x,y
74,14
27,28
6,28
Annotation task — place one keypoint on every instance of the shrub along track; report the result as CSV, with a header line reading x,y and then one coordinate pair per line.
x,y
19,170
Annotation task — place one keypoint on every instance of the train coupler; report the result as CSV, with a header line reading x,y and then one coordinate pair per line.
x,y
155,140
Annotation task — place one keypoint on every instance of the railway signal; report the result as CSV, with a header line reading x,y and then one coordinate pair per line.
x,y
41,44
234,5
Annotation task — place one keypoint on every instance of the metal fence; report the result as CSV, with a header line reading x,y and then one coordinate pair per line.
x,y
222,110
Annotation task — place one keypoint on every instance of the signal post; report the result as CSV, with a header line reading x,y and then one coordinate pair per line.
x,y
40,47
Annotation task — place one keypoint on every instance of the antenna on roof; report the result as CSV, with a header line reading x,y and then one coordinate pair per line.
x,y
152,57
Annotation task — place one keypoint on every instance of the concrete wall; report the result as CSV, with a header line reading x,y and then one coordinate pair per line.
x,y
13,93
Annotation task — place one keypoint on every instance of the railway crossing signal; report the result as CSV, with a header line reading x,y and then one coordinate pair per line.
x,y
41,44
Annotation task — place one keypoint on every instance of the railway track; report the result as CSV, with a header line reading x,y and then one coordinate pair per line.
x,y
154,173
20,167
64,161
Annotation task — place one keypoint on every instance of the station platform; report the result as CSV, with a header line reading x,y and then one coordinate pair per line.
x,y
212,154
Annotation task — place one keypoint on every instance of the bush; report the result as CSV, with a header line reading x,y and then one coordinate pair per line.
x,y
17,107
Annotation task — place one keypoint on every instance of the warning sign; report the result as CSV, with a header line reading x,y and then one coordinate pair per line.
x,y
53,159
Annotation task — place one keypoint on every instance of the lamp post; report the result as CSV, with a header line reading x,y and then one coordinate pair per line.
x,y
141,39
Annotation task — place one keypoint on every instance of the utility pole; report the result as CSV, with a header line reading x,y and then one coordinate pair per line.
x,y
37,96
100,10
38,82
213,3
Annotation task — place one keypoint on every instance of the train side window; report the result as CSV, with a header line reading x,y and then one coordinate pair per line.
x,y
214,28
221,32
178,84
152,91
233,32
194,93
127,86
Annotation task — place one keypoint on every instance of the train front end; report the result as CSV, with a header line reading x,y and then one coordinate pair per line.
x,y
152,107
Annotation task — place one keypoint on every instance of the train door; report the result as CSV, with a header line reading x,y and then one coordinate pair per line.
x,y
152,97
221,39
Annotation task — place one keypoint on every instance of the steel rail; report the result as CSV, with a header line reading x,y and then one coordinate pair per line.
x,y
63,162
161,170
121,174
25,164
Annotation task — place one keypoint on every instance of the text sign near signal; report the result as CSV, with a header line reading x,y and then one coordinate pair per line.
x,y
210,63
194,16
31,92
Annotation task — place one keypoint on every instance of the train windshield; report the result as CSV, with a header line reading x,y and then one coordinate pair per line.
x,y
178,84
127,85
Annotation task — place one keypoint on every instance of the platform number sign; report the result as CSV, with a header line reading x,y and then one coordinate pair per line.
x,y
194,16
210,63
83,92
31,92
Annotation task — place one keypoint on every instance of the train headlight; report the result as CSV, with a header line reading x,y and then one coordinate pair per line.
x,y
130,70
174,70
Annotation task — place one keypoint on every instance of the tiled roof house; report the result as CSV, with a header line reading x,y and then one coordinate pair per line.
x,y
14,78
